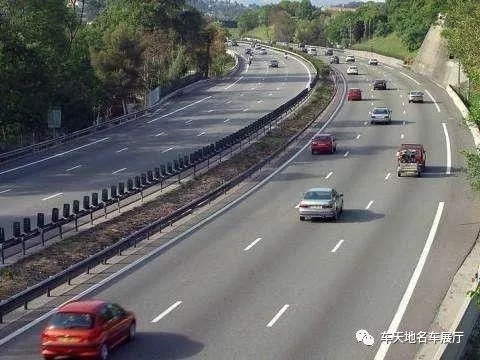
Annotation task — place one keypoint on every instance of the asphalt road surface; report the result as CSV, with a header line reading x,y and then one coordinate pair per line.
x,y
186,123
257,283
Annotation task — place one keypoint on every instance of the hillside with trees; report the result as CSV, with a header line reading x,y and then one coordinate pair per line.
x,y
91,58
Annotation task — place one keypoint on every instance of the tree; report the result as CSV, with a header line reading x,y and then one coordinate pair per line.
x,y
118,63
283,25
305,10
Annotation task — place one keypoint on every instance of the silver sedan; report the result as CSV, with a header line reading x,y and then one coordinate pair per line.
x,y
321,203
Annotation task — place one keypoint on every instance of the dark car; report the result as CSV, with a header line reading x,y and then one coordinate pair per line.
x,y
328,52
86,329
379,85
323,143
334,59
248,51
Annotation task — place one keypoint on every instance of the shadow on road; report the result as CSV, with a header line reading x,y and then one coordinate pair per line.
x,y
158,346
354,216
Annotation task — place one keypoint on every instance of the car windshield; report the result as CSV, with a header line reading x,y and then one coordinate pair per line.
x,y
322,138
416,93
380,111
71,321
318,195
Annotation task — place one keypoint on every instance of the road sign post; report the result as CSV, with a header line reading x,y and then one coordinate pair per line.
x,y
54,120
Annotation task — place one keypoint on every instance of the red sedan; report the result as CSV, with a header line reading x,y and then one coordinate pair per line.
x,y
323,143
87,329
354,94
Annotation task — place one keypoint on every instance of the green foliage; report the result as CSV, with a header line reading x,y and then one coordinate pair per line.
x,y
390,45
50,56
473,168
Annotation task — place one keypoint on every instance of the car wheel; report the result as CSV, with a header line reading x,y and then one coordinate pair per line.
x,y
103,353
46,357
302,218
132,329
335,149
313,152
399,174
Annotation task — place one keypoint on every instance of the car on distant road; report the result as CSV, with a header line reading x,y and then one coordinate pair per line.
x,y
354,94
320,203
415,96
381,115
248,51
328,52
262,51
379,84
323,143
373,61
352,70
334,59
273,63
312,51
87,329
350,58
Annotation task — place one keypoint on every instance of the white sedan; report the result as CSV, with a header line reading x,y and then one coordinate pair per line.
x,y
352,70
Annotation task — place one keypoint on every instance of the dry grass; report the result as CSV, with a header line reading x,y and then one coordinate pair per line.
x,y
57,257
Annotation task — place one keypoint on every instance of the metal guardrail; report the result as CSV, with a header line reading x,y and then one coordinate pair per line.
x,y
47,144
206,153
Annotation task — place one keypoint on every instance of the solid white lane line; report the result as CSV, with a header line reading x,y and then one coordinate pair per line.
x,y
388,67
167,150
411,78
358,136
346,154
236,81
226,120
167,311
121,150
52,196
5,191
180,109
370,203
53,156
252,244
337,246
449,151
160,134
388,176
433,99
119,170
329,174
277,316
244,110
402,136
73,168
402,307
202,133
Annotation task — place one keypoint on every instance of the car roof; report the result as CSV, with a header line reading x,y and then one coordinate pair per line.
x,y
380,107
416,92
379,80
319,189
322,136
82,306
355,89
411,146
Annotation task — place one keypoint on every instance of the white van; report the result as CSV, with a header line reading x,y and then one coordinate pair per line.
x,y
312,51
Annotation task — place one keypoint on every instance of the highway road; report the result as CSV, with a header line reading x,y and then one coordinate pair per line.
x,y
39,183
257,283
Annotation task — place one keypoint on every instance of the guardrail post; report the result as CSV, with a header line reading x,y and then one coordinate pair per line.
x,y
42,235
60,229
118,203
2,256
76,222
24,250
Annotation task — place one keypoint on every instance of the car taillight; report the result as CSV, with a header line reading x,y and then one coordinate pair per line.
x,y
304,205
48,338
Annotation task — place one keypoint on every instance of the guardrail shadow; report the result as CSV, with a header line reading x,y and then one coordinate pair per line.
x,y
156,346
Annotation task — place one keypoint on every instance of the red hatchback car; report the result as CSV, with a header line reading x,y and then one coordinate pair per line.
x,y
323,143
87,329
354,94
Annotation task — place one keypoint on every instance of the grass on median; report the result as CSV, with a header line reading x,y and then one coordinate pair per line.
x,y
59,256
